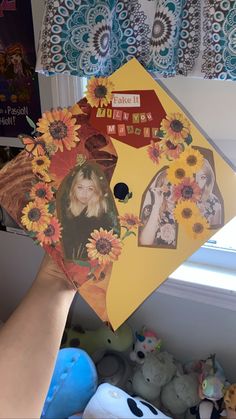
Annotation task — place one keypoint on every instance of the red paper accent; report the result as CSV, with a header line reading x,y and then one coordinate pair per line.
x,y
151,111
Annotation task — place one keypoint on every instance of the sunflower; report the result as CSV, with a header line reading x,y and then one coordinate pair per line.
x,y
99,91
35,216
154,152
186,211
59,127
104,246
51,234
187,189
171,150
129,221
41,191
198,228
176,127
40,164
192,159
177,172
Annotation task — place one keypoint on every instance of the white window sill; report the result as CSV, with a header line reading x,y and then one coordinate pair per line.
x,y
204,284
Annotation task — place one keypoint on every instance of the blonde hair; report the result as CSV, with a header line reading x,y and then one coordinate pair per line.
x,y
210,180
97,205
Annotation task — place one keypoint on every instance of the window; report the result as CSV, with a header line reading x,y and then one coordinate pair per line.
x,y
220,250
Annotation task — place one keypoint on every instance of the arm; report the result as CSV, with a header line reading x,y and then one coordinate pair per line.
x,y
148,232
29,343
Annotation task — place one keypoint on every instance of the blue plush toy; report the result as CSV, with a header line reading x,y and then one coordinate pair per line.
x,y
73,383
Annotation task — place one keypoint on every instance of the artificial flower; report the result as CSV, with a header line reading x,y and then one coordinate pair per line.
x,y
167,233
154,152
176,127
186,211
177,172
198,228
40,164
35,216
51,234
171,150
99,91
192,159
104,246
43,176
41,191
187,189
129,221
59,127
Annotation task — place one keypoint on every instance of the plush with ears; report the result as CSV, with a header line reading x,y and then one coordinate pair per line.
x,y
111,402
73,383
146,341
156,371
97,342
180,394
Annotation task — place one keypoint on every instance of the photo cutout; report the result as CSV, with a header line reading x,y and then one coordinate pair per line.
x,y
84,204
158,228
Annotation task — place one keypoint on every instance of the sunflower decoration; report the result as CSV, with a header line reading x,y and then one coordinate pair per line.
x,y
198,228
104,246
35,216
41,191
40,164
186,211
176,128
192,159
99,91
59,127
51,234
187,189
172,151
129,221
177,172
154,152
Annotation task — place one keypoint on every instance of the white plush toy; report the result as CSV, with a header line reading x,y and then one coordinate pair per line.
x,y
111,402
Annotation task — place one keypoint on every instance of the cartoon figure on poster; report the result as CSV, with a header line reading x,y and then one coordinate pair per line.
x,y
158,225
85,204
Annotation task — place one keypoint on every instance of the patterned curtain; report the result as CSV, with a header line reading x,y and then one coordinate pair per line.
x,y
168,37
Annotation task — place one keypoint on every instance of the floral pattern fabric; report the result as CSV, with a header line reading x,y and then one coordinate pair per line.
x,y
168,37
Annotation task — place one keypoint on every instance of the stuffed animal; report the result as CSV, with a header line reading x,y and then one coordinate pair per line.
x,y
113,368
73,383
146,341
97,342
111,402
230,401
180,394
207,409
156,371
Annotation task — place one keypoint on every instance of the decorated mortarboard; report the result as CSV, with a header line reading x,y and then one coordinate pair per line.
x,y
119,189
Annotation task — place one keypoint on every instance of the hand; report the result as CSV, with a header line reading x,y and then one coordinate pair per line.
x,y
50,273
157,196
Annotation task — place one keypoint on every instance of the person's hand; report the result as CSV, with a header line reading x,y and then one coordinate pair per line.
x,y
157,195
50,274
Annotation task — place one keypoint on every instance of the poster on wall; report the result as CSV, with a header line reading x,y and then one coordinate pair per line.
x,y
19,90
120,189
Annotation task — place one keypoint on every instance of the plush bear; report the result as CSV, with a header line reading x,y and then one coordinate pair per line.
x,y
156,371
180,394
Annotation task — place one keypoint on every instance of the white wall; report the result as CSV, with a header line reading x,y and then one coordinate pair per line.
x,y
188,329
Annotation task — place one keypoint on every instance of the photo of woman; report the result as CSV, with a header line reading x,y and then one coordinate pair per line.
x,y
158,225
84,203
210,204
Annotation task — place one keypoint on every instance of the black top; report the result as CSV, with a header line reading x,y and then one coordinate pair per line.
x,y
77,231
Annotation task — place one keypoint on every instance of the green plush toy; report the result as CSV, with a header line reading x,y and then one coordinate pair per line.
x,y
97,342
156,371
180,394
